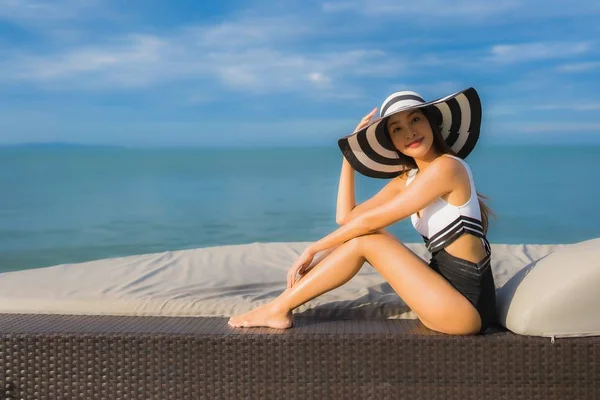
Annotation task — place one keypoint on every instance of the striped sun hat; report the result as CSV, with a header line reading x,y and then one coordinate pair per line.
x,y
371,152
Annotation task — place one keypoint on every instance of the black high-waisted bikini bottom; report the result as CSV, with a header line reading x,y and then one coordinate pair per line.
x,y
474,280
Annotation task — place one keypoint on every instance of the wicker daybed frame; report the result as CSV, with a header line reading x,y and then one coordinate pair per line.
x,y
181,358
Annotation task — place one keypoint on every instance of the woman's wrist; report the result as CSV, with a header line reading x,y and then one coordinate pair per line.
x,y
312,249
346,164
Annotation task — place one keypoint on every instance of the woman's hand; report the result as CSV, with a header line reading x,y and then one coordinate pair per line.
x,y
366,119
300,266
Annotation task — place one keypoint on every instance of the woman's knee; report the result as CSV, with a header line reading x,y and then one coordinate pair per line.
x,y
354,244
361,243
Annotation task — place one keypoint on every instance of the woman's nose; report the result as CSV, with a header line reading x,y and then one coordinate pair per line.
x,y
410,133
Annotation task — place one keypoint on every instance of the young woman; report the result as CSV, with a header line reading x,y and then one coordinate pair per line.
x,y
421,147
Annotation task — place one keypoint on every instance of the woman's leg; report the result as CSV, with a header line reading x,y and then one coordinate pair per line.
x,y
276,314
436,303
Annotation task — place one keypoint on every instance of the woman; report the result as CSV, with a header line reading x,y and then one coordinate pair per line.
x,y
421,146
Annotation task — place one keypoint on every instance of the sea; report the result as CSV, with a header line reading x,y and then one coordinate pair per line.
x,y
76,204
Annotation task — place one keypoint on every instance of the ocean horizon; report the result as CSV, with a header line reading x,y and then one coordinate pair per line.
x,y
76,203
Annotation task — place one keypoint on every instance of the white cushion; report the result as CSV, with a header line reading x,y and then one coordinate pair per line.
x,y
555,296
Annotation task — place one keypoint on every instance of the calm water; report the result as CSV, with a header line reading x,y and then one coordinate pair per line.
x,y
71,205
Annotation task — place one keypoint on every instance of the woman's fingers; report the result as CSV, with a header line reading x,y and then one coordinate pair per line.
x,y
365,121
291,277
370,115
300,266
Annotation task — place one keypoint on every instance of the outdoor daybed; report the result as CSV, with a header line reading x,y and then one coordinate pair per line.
x,y
154,326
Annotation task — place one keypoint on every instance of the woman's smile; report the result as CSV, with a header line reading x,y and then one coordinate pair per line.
x,y
415,143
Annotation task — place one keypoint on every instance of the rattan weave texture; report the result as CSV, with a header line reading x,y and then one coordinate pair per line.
x,y
181,358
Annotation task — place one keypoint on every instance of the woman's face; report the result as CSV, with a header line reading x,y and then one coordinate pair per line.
x,y
411,133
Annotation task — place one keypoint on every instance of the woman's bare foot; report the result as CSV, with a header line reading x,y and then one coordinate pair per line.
x,y
265,315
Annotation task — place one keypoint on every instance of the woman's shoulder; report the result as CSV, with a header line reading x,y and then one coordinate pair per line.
x,y
454,163
448,167
452,157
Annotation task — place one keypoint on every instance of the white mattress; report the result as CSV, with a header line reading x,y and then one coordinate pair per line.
x,y
215,281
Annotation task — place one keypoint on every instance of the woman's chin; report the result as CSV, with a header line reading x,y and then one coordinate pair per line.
x,y
419,152
415,153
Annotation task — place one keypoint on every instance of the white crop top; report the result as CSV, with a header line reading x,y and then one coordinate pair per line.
x,y
441,222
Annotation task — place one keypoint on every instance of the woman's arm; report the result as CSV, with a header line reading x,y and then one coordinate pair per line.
x,y
346,199
386,193
437,180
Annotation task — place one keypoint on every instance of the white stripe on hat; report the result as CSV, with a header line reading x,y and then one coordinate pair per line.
x,y
375,145
366,161
397,94
446,118
465,121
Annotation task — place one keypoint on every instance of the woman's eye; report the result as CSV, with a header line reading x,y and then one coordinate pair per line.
x,y
415,119
396,129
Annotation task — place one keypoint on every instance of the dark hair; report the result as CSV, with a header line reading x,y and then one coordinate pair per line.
x,y
443,147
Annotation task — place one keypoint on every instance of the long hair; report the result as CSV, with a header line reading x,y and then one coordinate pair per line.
x,y
442,146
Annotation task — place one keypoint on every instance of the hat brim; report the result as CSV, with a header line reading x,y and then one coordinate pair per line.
x,y
370,151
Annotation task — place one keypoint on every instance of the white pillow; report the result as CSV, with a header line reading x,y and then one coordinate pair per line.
x,y
555,296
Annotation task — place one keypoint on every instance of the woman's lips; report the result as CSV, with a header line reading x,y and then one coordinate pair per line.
x,y
414,144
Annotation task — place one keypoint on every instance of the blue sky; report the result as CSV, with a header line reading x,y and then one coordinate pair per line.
x,y
290,72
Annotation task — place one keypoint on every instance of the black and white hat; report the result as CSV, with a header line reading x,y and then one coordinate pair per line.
x,y
371,152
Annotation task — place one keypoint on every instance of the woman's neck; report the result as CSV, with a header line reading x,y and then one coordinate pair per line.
x,y
423,163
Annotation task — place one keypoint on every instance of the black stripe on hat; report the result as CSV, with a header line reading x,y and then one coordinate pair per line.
x,y
360,167
434,115
396,99
456,113
474,129
361,138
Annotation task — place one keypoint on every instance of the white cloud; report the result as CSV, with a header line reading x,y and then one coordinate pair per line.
x,y
568,106
463,12
517,108
433,8
579,67
266,52
244,56
43,12
318,77
500,110
429,90
523,52
241,32
561,127
132,51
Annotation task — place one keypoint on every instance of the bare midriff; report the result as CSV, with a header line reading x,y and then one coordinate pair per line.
x,y
468,247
